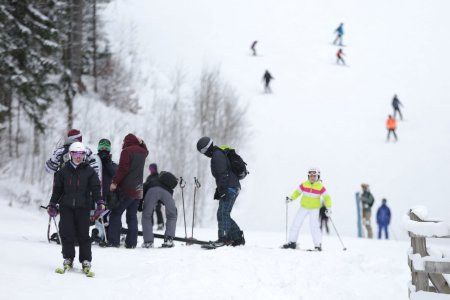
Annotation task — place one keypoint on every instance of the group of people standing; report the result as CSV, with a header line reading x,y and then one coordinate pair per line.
x,y
383,213
391,123
85,182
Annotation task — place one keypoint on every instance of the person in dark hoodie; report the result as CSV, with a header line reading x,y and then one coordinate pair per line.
x,y
159,191
128,181
151,181
75,185
227,190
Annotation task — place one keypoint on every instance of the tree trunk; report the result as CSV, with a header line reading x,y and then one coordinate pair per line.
x,y
94,43
77,43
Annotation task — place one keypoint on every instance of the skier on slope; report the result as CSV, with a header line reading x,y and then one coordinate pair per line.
x,y
227,191
311,192
339,57
253,48
161,190
151,181
383,219
339,33
109,169
267,77
396,106
75,185
128,181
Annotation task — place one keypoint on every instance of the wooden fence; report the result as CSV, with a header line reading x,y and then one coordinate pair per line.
x,y
426,271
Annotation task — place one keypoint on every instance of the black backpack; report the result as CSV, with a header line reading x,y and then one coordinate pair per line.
x,y
168,179
238,165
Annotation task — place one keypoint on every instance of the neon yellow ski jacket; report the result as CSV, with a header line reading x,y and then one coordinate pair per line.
x,y
311,194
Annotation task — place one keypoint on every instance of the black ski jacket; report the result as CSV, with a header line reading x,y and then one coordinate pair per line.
x,y
221,170
76,187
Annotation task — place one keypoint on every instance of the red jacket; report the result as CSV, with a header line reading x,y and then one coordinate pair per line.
x,y
130,172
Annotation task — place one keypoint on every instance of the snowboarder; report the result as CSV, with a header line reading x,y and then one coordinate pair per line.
x,y
109,169
396,105
151,181
253,47
75,185
128,181
312,192
339,33
383,219
339,56
324,218
391,125
367,201
267,77
227,191
61,154
161,190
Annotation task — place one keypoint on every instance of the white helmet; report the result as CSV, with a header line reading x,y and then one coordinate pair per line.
x,y
314,170
77,147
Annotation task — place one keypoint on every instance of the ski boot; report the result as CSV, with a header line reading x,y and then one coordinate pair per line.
x,y
67,265
86,265
318,248
290,245
240,241
168,242
147,245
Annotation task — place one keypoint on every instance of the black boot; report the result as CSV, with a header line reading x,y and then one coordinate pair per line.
x,y
290,245
240,241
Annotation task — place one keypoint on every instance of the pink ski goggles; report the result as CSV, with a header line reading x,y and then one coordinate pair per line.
x,y
77,154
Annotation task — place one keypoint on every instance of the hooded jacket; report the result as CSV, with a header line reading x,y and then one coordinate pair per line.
x,y
130,172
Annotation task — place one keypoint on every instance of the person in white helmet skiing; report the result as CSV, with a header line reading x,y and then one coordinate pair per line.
x,y
76,184
312,193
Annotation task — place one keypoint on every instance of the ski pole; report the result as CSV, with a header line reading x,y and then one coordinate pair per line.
x,y
49,223
287,204
182,185
57,229
197,186
344,248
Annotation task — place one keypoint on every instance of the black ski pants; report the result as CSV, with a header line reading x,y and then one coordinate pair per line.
x,y
74,226
393,132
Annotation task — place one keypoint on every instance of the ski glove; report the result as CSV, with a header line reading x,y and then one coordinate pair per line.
x,y
52,210
220,194
328,212
99,210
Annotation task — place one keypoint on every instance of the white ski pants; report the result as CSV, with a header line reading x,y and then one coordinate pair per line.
x,y
314,225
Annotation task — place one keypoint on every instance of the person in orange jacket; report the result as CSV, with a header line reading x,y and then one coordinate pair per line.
x,y
391,125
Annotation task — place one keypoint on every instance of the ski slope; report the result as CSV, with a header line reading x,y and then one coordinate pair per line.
x,y
259,270
320,114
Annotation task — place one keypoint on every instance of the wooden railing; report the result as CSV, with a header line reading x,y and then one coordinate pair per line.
x,y
426,271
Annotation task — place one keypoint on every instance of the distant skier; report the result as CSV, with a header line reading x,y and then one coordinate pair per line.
x,y
383,219
339,56
227,190
391,125
267,77
253,47
367,201
75,185
396,105
324,218
311,192
339,33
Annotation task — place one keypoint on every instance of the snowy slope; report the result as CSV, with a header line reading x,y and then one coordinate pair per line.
x,y
258,270
320,114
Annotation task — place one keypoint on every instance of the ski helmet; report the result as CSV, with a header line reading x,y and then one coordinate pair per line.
x,y
204,144
77,147
314,171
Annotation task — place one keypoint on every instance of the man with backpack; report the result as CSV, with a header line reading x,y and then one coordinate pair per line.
x,y
367,201
227,190
151,181
160,191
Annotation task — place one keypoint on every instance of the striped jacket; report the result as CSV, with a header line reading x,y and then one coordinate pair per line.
x,y
61,155
311,195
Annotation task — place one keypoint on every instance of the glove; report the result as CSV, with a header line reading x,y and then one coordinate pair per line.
x,y
288,199
141,205
52,210
328,212
99,210
220,194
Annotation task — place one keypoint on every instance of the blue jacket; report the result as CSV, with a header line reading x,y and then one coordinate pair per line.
x,y
383,215
340,30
